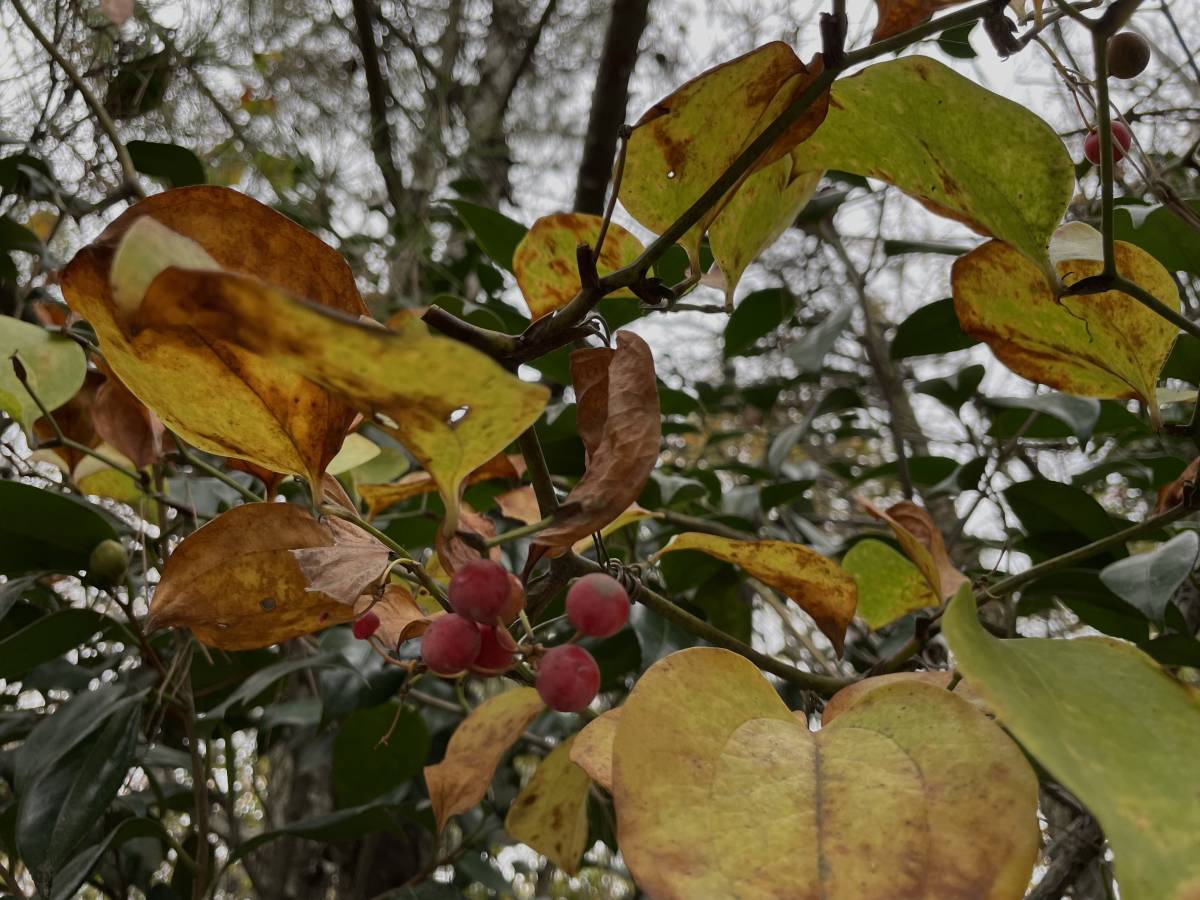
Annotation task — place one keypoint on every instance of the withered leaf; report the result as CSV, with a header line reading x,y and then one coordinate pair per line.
x,y
401,618
896,16
127,423
619,420
1181,490
349,567
520,504
236,584
379,497
463,546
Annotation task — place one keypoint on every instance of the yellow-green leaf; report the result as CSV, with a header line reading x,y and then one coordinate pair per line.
x,y
593,747
816,584
236,584
55,368
683,143
1095,345
961,150
889,586
249,408
545,264
550,812
763,208
95,476
911,792
451,406
1110,725
922,542
461,779
356,450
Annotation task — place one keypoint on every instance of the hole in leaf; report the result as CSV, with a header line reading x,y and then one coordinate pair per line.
x,y
267,604
671,174
385,420
457,416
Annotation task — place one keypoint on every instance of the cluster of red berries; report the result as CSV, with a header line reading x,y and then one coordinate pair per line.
x,y
1128,55
473,638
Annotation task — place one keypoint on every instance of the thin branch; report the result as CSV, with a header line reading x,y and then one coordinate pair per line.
x,y
382,142
97,108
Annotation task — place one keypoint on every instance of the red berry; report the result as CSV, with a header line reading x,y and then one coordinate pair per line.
x,y
480,590
567,678
450,644
1121,140
516,600
365,625
597,605
495,651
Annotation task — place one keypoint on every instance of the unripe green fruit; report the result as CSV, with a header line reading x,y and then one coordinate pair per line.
x,y
107,563
1128,55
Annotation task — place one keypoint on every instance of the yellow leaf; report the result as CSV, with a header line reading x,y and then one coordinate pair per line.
x,y
816,584
248,407
910,793
1095,345
686,141
593,747
236,585
461,779
550,813
545,264
356,450
844,699
93,476
379,497
451,406
633,514
763,208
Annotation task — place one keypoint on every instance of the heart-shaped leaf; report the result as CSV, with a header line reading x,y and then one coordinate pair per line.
x,y
911,792
814,583
545,264
1095,345
250,408
1112,727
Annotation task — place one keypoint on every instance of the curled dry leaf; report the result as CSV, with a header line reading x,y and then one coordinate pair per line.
x,y
896,16
401,618
1181,490
127,423
451,406
379,497
672,157
593,747
236,584
922,543
461,779
911,792
250,408
814,583
463,546
545,263
347,568
1111,726
1095,345
621,427
550,812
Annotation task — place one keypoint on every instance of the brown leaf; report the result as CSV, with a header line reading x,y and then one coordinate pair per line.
x,y
236,584
619,417
75,419
922,543
400,616
520,504
1180,490
124,421
896,16
460,548
379,497
347,569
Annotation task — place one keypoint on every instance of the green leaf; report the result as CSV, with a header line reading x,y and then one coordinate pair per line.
x,y
364,766
71,875
756,316
56,811
177,166
956,389
1060,516
933,328
917,124
49,637
14,236
1162,234
956,41
1149,580
809,352
54,367
889,586
1080,414
496,233
44,531
1112,728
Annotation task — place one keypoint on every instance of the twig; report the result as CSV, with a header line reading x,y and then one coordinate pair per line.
x,y
618,174
1096,284
102,117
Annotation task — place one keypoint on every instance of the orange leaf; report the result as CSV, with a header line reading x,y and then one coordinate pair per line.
x,y
236,584
520,504
379,497
896,16
621,426
461,779
1181,490
400,616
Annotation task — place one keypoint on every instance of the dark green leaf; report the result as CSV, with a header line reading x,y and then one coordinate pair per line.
x,y
14,236
71,875
176,165
1080,414
617,656
1161,233
365,766
933,328
42,530
956,389
956,41
50,637
1174,650
756,316
1059,517
497,234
